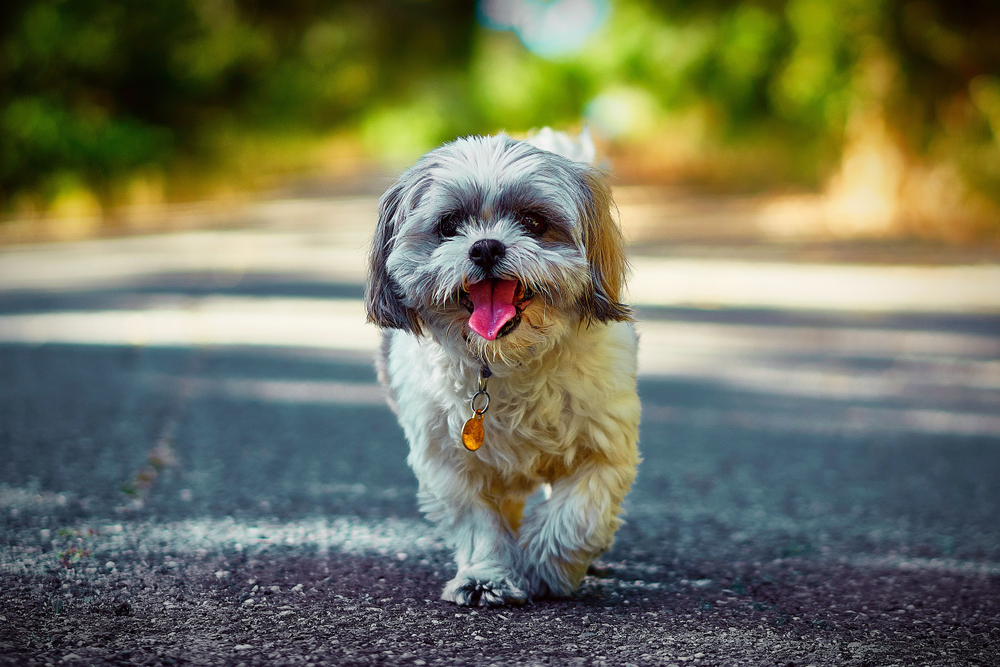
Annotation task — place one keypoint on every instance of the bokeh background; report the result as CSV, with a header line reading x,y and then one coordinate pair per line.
x,y
196,459
886,113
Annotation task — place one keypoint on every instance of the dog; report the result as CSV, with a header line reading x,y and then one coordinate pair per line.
x,y
496,272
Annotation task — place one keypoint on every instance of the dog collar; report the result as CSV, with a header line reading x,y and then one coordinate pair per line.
x,y
472,432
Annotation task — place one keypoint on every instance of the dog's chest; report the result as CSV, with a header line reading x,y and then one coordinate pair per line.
x,y
547,412
539,412
549,407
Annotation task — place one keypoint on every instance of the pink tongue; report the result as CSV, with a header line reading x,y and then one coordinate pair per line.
x,y
493,302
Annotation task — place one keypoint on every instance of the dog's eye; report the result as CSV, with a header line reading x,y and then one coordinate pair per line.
x,y
534,224
448,225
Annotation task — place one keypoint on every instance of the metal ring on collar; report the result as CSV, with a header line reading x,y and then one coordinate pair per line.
x,y
478,411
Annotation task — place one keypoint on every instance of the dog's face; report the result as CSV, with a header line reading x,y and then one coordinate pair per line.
x,y
496,246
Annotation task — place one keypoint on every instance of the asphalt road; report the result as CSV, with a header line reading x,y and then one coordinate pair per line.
x,y
196,466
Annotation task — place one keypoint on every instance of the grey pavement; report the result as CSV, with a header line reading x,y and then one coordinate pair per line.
x,y
197,467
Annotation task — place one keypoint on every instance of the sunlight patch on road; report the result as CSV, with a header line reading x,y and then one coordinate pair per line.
x,y
317,392
664,342
707,283
321,255
783,377
214,320
204,537
949,565
830,363
291,391
851,420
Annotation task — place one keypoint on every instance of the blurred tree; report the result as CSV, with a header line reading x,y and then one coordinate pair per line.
x,y
93,89
880,102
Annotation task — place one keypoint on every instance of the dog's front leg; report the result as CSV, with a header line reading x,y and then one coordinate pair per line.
x,y
486,550
565,533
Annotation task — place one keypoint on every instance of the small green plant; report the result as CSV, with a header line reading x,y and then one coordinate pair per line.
x,y
70,557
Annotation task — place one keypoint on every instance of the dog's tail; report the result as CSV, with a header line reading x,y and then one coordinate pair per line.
x,y
579,148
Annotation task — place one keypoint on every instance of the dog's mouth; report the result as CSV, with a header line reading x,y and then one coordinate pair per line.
x,y
495,306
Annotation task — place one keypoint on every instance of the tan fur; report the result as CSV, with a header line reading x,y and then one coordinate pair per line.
x,y
605,254
513,511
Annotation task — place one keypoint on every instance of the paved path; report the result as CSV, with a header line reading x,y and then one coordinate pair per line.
x,y
196,465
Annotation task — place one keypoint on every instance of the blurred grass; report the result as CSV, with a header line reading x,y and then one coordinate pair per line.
x,y
888,108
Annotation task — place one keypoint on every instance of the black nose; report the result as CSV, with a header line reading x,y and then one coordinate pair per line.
x,y
487,252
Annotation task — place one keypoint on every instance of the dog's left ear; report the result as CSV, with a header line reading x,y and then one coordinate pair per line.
x,y
382,300
602,238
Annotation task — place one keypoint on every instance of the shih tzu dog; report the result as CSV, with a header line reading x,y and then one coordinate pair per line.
x,y
496,272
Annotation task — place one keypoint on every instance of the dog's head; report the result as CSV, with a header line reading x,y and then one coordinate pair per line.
x,y
497,245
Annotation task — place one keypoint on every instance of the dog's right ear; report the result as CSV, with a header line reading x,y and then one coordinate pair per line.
x,y
382,299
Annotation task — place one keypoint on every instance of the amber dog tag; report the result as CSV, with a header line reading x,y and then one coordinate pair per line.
x,y
472,432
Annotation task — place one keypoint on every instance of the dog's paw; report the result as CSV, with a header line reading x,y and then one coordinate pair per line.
x,y
475,587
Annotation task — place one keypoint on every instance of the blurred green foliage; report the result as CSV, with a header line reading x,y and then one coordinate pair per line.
x,y
777,73
94,90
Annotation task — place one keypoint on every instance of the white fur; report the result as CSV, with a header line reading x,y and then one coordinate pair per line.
x,y
579,149
563,404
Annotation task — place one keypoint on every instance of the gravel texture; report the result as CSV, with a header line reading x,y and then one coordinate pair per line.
x,y
277,606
